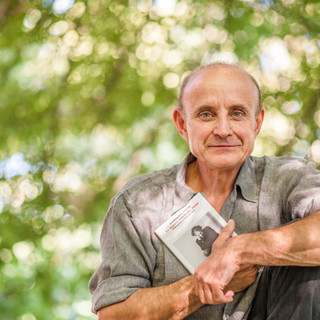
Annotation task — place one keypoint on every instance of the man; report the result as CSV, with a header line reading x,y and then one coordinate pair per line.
x,y
219,114
204,238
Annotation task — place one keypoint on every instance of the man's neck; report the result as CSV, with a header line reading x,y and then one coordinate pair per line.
x,y
215,184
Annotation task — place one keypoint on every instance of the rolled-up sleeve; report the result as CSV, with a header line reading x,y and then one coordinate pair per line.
x,y
304,192
127,263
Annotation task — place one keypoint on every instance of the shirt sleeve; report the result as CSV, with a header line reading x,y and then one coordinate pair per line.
x,y
127,263
304,192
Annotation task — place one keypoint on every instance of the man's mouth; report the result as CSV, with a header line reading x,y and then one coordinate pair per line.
x,y
223,146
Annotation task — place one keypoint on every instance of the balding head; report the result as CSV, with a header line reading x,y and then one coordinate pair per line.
x,y
216,65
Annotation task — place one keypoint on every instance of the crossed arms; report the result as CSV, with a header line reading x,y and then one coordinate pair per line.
x,y
231,267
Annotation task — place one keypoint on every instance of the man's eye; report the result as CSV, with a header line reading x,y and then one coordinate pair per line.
x,y
205,115
237,114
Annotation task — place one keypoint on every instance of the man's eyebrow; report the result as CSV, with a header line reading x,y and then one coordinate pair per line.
x,y
204,108
239,106
213,109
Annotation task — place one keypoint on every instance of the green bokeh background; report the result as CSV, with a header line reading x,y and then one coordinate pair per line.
x,y
87,90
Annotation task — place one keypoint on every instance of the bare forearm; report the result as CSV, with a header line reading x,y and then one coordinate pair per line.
x,y
174,301
294,244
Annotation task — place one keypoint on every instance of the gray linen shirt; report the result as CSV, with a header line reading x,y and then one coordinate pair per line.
x,y
268,192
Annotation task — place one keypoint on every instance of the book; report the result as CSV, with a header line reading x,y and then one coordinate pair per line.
x,y
190,232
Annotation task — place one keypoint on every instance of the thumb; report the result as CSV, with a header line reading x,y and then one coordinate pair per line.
x,y
225,234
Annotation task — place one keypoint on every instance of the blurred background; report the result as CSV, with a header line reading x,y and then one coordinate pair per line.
x,y
87,90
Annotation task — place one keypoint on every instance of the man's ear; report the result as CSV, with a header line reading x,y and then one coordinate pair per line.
x,y
259,121
180,123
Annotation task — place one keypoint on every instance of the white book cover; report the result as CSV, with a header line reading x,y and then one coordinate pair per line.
x,y
190,232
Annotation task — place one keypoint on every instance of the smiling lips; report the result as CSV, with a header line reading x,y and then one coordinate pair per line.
x,y
223,146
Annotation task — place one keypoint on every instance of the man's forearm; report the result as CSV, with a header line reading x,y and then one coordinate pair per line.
x,y
294,244
174,301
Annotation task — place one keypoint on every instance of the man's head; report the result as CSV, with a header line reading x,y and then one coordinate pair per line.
x,y
212,65
220,115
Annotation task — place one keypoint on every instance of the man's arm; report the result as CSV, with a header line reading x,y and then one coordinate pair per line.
x,y
178,299
174,301
296,244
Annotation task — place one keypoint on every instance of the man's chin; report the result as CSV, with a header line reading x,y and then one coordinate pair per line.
x,y
224,164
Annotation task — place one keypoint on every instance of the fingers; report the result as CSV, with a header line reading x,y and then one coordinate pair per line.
x,y
225,234
210,282
209,294
243,278
216,271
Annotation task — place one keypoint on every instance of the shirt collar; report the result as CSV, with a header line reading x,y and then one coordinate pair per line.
x,y
248,180
182,193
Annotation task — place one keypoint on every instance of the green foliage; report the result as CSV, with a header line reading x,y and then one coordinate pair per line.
x,y
86,96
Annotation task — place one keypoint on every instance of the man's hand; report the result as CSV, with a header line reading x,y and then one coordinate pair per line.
x,y
220,276
243,278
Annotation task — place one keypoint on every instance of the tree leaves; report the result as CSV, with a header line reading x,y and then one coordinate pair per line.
x,y
86,94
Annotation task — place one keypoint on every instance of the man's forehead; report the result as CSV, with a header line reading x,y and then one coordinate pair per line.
x,y
212,74
215,72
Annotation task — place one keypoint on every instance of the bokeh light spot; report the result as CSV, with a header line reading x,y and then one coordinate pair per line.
x,y
315,151
61,6
171,80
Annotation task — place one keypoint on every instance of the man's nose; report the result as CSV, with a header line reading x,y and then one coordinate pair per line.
x,y
222,127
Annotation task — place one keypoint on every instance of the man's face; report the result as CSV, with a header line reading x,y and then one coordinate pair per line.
x,y
219,117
